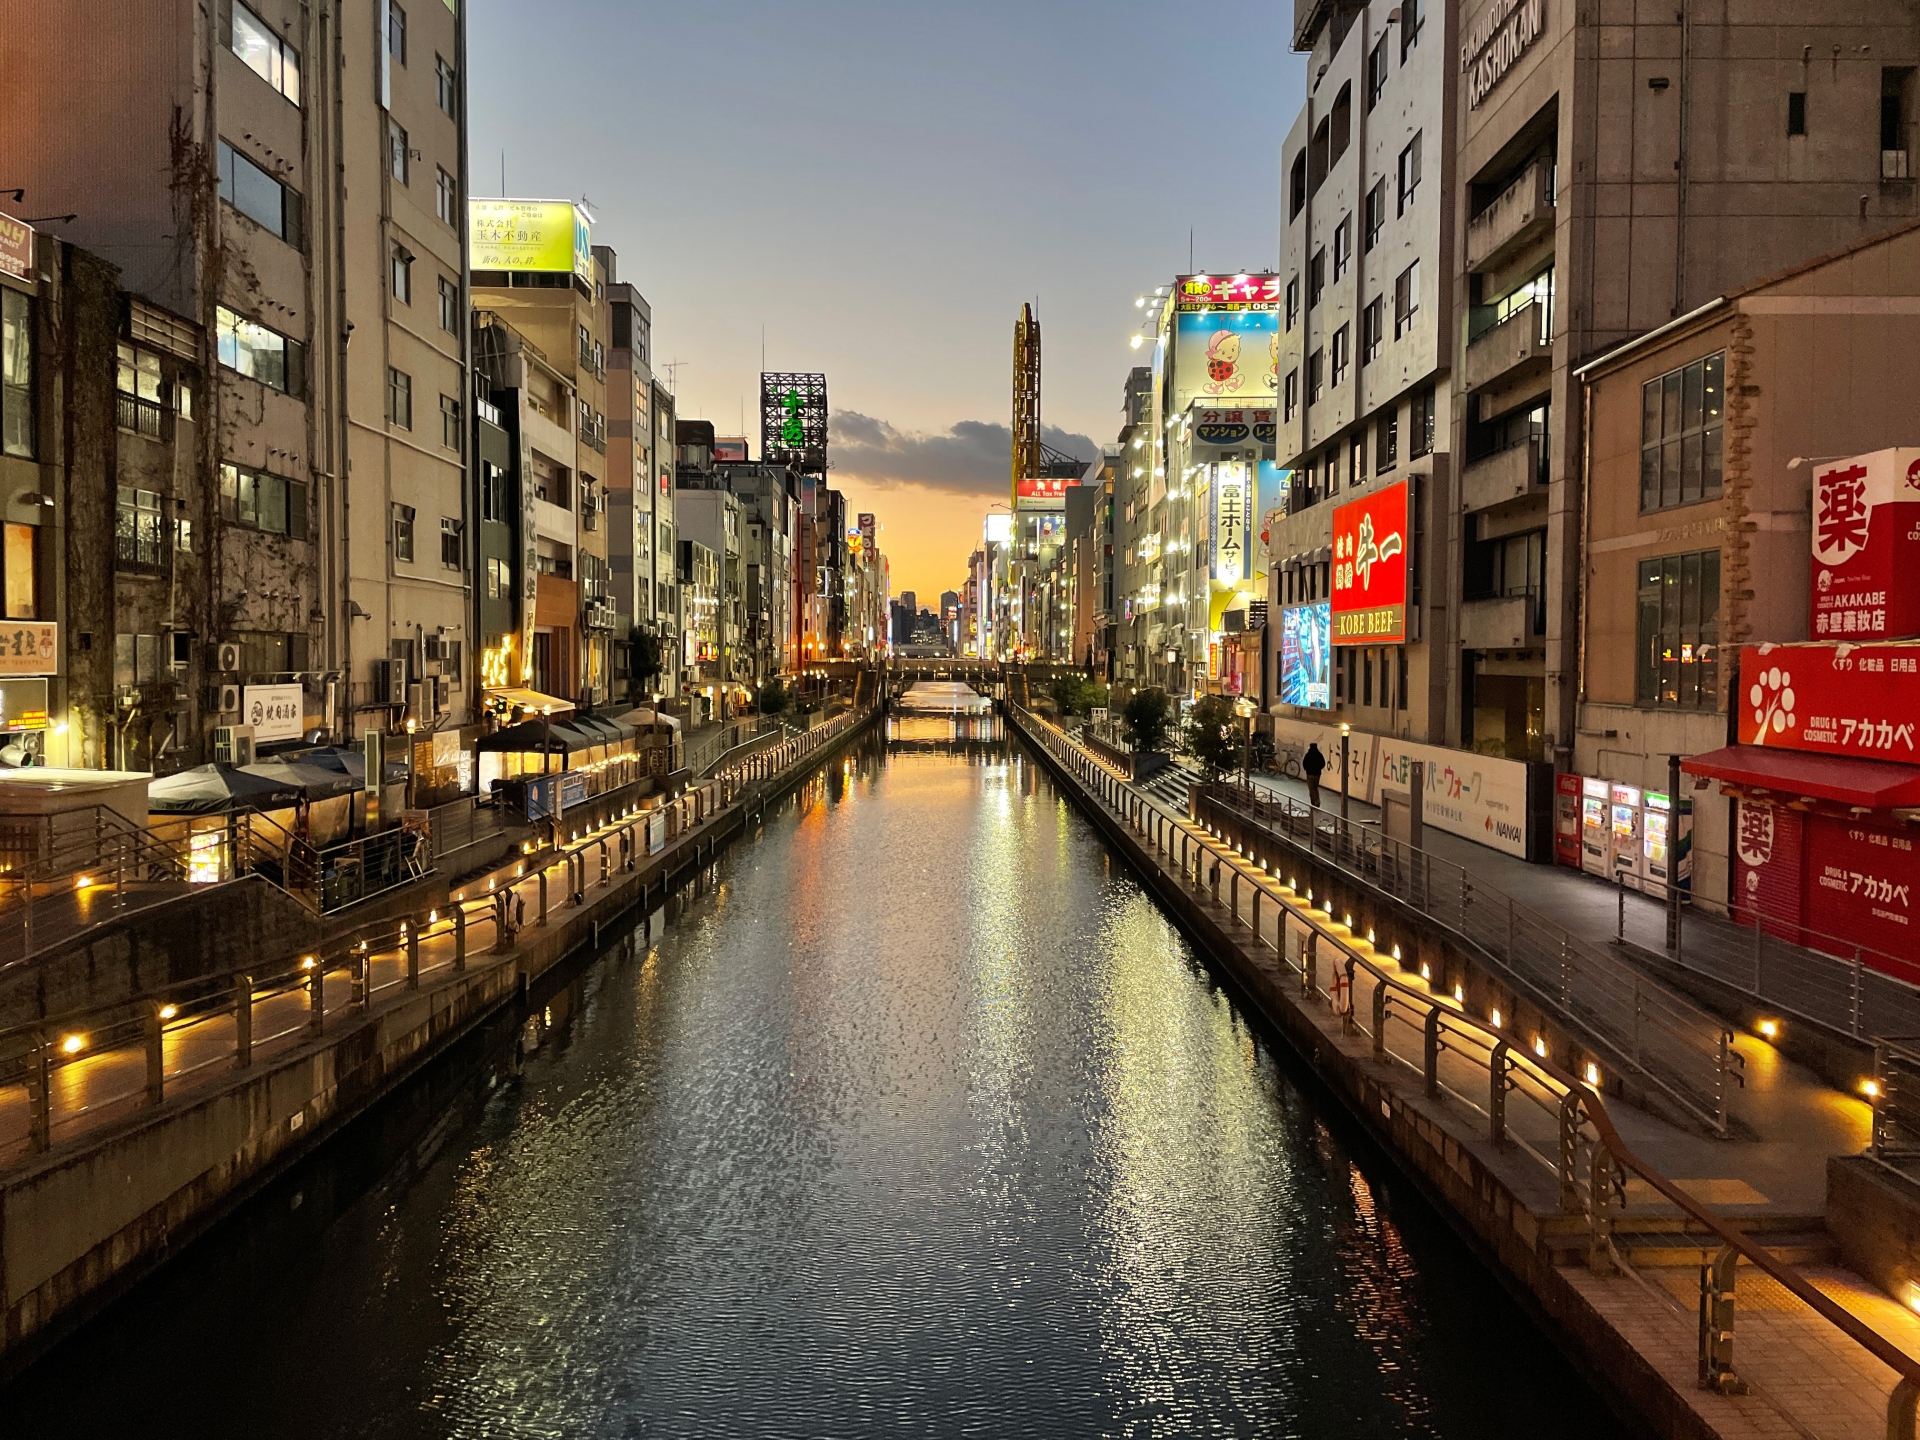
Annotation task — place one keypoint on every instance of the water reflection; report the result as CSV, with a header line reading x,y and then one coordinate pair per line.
x,y
920,1119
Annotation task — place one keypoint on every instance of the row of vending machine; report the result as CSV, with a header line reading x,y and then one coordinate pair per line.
x,y
1624,834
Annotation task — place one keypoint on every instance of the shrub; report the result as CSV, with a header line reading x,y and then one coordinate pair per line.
x,y
1149,717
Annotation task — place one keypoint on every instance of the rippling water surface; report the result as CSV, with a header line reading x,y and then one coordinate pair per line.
x,y
920,1119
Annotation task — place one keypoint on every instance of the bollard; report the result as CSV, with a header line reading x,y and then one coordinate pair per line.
x,y
242,1021
156,1057
413,956
459,938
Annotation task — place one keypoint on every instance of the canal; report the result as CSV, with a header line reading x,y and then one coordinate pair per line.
x,y
917,1117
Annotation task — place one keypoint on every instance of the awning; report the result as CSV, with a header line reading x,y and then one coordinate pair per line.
x,y
532,701
1873,784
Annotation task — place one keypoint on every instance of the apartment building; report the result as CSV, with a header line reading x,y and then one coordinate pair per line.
x,y
1617,169
1364,358
667,603
633,552
289,184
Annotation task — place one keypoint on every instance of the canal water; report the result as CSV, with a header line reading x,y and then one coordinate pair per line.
x,y
917,1118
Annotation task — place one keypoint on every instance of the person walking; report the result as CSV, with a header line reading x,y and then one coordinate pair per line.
x,y
1311,765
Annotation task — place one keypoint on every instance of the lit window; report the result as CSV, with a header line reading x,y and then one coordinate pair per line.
x,y
261,354
265,53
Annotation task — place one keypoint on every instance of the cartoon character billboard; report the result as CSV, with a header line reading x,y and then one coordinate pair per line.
x,y
1224,357
1370,554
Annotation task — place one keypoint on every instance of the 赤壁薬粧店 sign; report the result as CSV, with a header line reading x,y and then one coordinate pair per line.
x,y
1370,557
1866,546
1859,700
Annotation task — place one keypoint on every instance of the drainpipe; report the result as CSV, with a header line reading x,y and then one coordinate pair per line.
x,y
1586,494
1680,166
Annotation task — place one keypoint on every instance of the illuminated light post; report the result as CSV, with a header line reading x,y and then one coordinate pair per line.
x,y
1346,733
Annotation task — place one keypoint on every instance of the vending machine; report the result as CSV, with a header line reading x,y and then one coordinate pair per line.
x,y
1629,859
1596,846
1669,844
1566,820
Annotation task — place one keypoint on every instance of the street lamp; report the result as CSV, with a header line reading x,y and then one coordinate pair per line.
x,y
1244,708
1346,732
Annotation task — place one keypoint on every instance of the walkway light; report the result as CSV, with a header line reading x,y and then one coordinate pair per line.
x,y
1460,994
1769,1028
73,1044
1540,1046
167,1012
1593,1073
1495,1017
1870,1089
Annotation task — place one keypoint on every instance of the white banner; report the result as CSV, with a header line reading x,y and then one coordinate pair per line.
x,y
276,712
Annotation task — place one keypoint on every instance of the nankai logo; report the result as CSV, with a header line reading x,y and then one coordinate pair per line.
x,y
1771,697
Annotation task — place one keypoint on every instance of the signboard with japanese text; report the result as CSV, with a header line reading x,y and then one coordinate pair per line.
x,y
1224,356
1862,884
1306,661
1860,700
1230,505
16,248
276,712
1478,797
1866,546
1043,491
546,236
1226,292
1370,557
29,647
1232,425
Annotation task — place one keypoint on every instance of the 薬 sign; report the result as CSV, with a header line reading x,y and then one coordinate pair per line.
x,y
1866,546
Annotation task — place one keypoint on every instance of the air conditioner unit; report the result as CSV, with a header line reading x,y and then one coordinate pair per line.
x,y
390,682
433,651
224,698
419,697
233,745
442,696
229,658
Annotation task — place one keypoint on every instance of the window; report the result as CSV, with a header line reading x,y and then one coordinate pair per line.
x,y
183,536
493,492
1679,632
1377,73
1356,459
396,33
261,501
1293,301
261,354
1409,173
139,532
1342,343
449,306
1316,277
446,87
1373,323
1681,429
403,532
450,423
397,149
16,373
499,578
1406,299
399,398
1297,186
1420,424
446,196
452,555
1342,247
1375,213
1796,112
1292,393
265,53
1411,23
1316,366
402,276
139,374
1386,442
22,565
258,195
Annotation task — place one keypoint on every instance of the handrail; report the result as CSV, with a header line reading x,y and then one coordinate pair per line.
x,y
1905,1398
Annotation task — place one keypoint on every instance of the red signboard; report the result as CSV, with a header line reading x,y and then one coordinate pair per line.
x,y
1861,700
1866,546
1371,540
1226,292
1043,492
1863,883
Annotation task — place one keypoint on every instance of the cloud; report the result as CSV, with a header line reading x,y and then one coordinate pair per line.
x,y
971,458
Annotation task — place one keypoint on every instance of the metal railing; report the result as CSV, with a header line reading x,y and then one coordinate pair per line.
x,y
69,872
1560,1126
1638,1026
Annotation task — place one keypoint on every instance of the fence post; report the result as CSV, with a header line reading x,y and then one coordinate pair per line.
x,y
1856,992
1620,920
1309,963
1600,1235
459,938
1497,1093
242,1021
40,1122
413,955
1716,1325
1379,1019
156,1057
543,894
1569,1151
1430,1052
359,970
316,993
1257,941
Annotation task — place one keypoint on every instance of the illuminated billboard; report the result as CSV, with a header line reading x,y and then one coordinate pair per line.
x,y
532,236
1370,556
1306,657
1230,503
1866,546
1225,357
793,421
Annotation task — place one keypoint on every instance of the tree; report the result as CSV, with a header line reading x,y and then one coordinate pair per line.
x,y
1149,717
643,661
1213,735
773,696
1077,695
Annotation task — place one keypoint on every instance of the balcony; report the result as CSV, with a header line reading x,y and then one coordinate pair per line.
x,y
1511,351
1522,212
1504,475
143,417
1504,622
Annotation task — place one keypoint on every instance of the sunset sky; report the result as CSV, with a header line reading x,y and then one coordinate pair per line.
x,y
876,187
